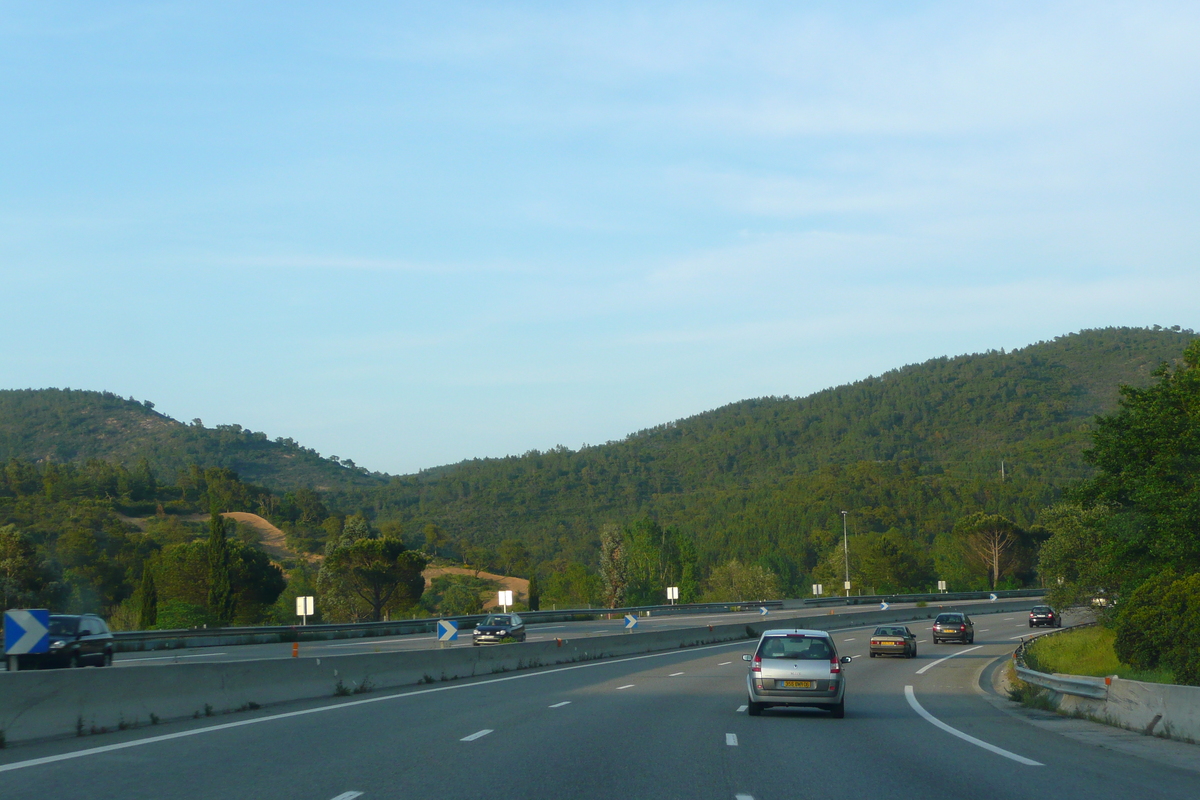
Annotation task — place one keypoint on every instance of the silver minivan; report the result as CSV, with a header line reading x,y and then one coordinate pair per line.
x,y
797,668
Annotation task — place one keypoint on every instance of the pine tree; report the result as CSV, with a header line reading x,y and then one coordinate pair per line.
x,y
148,616
221,599
535,593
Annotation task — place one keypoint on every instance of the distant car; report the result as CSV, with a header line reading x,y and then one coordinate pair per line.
x,y
953,626
1044,615
893,640
498,627
75,641
798,668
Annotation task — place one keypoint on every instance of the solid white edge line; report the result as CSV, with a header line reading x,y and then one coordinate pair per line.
x,y
476,735
731,739
933,664
166,658
560,705
931,719
108,748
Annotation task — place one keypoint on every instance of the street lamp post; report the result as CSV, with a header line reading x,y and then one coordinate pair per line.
x,y
846,553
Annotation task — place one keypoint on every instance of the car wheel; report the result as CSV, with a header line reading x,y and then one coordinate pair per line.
x,y
76,661
971,639
914,652
108,659
754,709
838,711
872,655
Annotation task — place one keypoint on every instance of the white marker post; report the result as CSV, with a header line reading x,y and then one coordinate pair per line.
x,y
506,599
304,609
673,594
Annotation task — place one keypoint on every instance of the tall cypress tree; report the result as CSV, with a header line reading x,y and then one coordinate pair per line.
x,y
220,580
148,616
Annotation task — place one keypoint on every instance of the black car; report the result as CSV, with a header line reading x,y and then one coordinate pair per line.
x,y
1044,615
75,641
954,626
498,627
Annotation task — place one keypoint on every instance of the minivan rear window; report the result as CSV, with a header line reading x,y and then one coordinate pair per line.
x,y
802,648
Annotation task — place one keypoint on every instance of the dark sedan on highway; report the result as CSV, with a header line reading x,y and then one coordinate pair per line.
x,y
953,626
75,641
497,628
1044,615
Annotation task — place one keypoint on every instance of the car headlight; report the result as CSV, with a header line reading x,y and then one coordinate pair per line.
x,y
57,644
502,633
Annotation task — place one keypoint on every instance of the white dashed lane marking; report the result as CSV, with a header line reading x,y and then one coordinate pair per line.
x,y
560,705
741,709
626,686
731,739
674,674
348,796
476,735
724,664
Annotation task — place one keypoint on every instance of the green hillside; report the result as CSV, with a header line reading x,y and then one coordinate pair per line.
x,y
911,450
67,425
907,454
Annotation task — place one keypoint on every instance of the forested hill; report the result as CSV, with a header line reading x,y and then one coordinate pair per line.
x,y
66,425
740,477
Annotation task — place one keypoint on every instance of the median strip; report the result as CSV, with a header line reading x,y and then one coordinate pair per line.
x,y
930,718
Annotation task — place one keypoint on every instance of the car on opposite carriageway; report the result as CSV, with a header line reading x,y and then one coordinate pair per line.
x,y
76,640
498,628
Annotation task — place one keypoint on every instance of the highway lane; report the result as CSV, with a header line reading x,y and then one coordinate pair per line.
x,y
659,726
542,632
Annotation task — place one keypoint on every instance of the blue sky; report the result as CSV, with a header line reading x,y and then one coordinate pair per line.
x,y
414,234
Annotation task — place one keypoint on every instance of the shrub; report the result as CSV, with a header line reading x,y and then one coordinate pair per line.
x,y
1159,626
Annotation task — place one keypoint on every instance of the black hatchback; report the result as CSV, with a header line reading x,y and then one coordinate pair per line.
x,y
499,628
75,641
1044,615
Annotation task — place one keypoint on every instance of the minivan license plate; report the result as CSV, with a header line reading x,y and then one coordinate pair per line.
x,y
797,684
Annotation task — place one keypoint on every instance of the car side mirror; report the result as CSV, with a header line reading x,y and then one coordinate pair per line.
x,y
746,657
846,659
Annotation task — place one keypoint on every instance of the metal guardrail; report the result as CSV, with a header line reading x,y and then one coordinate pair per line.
x,y
928,597
203,637
1078,685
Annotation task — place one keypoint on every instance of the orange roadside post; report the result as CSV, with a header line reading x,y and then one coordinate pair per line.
x,y
295,649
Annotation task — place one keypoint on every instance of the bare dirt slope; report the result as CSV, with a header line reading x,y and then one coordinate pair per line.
x,y
272,540
519,586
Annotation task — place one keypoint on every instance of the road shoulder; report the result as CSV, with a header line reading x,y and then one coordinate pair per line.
x,y
993,685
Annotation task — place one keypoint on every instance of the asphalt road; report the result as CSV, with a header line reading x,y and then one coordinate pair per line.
x,y
384,644
665,725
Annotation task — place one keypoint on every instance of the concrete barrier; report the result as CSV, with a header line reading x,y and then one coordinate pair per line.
x,y
58,703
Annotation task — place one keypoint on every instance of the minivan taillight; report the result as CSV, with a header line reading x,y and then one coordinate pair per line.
x,y
835,666
756,665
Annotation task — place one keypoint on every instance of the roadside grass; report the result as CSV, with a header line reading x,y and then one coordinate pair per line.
x,y
1087,651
